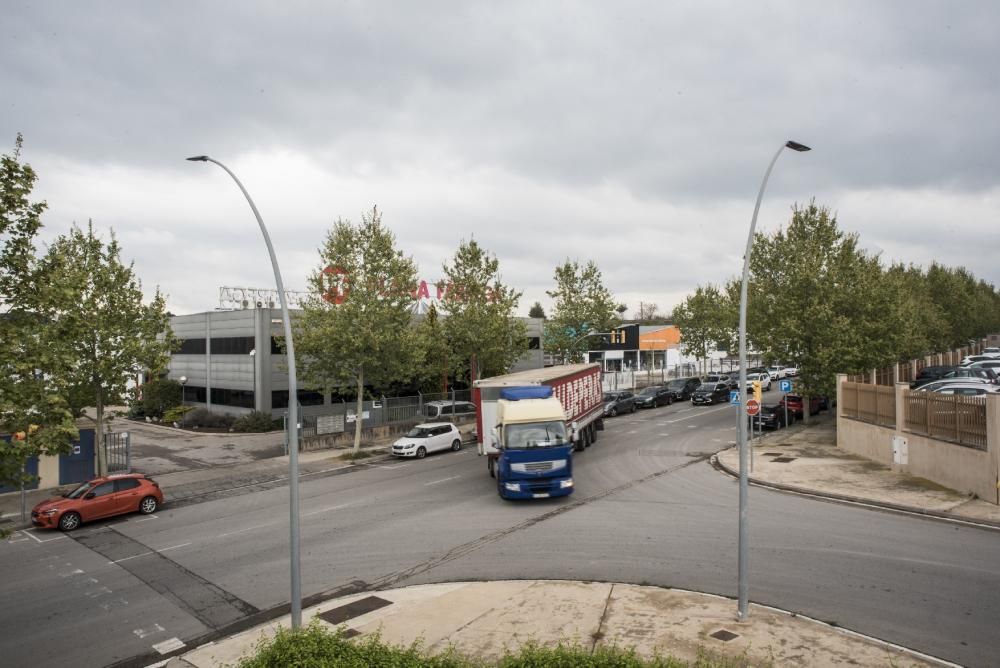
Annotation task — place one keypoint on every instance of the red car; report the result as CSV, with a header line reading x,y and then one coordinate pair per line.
x,y
101,497
794,401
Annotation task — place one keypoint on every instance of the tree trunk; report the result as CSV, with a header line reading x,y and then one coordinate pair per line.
x,y
359,417
102,454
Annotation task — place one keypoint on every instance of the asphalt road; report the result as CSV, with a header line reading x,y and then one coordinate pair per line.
x,y
648,509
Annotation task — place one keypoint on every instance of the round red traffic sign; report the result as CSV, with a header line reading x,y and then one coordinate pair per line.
x,y
753,407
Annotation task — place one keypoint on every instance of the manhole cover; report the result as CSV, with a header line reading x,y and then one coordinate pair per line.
x,y
724,635
360,607
783,460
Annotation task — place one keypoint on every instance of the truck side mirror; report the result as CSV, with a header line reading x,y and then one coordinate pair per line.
x,y
495,438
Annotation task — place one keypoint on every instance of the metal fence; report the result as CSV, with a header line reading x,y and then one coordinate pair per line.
x,y
875,404
948,417
342,416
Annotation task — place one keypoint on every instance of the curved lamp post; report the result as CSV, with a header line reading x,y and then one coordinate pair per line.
x,y
741,421
293,412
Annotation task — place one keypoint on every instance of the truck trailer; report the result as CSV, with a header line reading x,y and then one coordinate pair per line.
x,y
527,423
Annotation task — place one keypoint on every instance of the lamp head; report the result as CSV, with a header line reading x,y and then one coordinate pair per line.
x,y
794,145
199,158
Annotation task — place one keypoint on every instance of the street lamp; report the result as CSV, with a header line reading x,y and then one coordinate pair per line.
x,y
183,381
741,421
293,409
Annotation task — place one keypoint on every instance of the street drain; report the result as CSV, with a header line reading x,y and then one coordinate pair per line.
x,y
724,635
772,454
339,615
783,460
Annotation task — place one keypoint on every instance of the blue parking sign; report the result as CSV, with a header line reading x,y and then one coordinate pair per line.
x,y
734,397
785,385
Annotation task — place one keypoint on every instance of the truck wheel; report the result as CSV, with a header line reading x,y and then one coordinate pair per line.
x,y
586,436
593,432
578,445
489,465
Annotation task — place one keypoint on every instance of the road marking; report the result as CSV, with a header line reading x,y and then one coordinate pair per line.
x,y
665,434
75,571
397,466
232,533
30,533
11,538
143,554
144,519
326,510
98,592
142,633
428,484
168,646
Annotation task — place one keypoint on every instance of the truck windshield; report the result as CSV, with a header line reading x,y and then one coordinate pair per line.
x,y
535,435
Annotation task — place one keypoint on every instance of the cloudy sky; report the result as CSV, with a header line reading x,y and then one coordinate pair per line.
x,y
634,134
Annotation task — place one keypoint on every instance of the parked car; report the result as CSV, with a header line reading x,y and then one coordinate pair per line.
x,y
101,497
763,378
730,379
928,374
986,364
653,396
964,389
683,387
777,372
447,408
791,371
710,393
427,438
991,351
772,416
970,372
795,404
935,384
616,403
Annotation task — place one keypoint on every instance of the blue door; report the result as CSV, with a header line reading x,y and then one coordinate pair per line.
x,y
78,465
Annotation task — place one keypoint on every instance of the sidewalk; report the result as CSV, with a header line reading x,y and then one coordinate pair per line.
x,y
486,618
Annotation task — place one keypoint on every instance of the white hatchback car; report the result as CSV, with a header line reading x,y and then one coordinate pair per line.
x,y
426,438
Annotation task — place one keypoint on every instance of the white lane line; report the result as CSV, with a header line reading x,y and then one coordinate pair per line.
x,y
168,646
326,510
144,519
143,554
30,533
427,484
233,533
142,633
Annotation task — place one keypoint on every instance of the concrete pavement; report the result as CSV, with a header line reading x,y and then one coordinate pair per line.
x,y
485,618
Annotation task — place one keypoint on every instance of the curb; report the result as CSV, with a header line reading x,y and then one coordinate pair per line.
x,y
855,500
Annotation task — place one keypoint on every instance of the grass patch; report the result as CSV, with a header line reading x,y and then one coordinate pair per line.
x,y
317,646
354,456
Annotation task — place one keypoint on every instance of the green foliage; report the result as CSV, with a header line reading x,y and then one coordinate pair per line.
x,y
435,354
202,417
705,321
536,311
156,397
357,330
176,413
33,390
481,321
582,304
315,645
102,322
256,421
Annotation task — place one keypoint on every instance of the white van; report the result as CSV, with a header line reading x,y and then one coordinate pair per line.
x,y
447,408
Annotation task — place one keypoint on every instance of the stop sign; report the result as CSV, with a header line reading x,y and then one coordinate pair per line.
x,y
753,407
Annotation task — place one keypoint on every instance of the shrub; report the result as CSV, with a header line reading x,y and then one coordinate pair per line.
x,y
158,395
202,417
176,414
255,422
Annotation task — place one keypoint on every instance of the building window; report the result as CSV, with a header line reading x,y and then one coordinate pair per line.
x,y
534,343
232,345
193,393
239,398
279,398
192,347
276,347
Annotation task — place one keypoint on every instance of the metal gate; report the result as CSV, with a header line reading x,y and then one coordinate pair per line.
x,y
117,452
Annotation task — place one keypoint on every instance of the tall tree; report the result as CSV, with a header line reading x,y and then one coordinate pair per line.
x,y
102,322
582,304
481,324
647,311
435,365
33,406
355,329
536,311
818,301
702,321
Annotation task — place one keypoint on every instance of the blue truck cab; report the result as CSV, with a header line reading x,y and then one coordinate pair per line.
x,y
534,447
